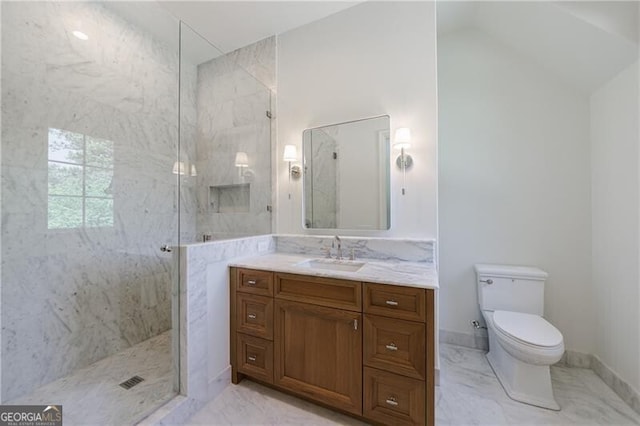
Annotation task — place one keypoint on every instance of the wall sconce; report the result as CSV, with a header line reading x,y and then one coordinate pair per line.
x,y
290,155
402,141
180,168
242,161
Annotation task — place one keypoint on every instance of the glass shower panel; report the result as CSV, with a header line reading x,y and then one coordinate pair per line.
x,y
194,50
89,140
225,133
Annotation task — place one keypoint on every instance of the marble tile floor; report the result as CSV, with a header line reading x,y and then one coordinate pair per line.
x,y
92,395
469,394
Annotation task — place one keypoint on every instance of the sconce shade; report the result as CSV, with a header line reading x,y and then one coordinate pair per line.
x,y
242,160
290,153
194,172
402,138
178,168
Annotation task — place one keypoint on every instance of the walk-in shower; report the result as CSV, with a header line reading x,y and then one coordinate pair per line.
x,y
120,131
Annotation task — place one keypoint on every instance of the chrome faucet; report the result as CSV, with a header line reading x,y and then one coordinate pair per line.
x,y
336,239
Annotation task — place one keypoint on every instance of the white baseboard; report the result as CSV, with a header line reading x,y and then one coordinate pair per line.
x,y
217,384
623,389
478,340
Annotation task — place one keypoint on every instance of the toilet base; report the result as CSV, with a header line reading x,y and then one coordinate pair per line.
x,y
522,382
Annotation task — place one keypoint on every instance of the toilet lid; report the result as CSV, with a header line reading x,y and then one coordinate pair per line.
x,y
532,329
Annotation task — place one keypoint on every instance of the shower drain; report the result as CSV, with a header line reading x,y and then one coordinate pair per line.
x,y
128,384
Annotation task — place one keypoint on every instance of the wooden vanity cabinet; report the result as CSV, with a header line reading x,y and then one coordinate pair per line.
x,y
364,349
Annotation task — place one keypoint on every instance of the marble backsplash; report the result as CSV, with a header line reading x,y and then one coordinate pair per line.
x,y
388,249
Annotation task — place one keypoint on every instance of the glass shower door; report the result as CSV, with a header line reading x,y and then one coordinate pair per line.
x,y
226,124
89,142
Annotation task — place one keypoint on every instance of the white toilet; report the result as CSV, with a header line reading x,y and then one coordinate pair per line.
x,y
522,344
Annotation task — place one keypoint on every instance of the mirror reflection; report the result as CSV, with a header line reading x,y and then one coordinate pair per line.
x,y
346,175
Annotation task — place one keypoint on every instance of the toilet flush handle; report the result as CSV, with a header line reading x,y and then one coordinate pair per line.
x,y
489,281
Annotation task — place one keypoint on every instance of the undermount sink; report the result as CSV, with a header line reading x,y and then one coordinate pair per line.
x,y
332,264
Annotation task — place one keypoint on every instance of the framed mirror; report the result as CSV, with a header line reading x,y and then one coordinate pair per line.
x,y
346,175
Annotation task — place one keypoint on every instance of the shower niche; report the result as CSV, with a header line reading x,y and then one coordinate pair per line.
x,y
234,198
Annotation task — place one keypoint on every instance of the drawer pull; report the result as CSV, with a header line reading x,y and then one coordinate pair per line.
x,y
392,303
252,316
392,401
251,282
252,358
392,347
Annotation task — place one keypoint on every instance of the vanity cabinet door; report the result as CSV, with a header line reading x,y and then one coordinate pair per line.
x,y
318,353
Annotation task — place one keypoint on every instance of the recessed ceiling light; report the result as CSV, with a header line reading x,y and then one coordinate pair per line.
x,y
80,35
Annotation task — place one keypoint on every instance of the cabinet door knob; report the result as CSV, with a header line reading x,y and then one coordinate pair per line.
x,y
392,347
251,282
392,401
392,303
252,358
355,324
252,316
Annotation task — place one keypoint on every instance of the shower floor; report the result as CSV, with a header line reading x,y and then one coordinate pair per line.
x,y
92,395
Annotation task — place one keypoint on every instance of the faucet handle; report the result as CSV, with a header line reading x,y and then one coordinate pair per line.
x,y
352,256
326,251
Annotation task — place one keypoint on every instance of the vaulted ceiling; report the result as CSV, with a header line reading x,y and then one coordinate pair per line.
x,y
586,43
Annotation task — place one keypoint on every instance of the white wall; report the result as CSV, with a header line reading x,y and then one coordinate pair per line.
x,y
514,184
616,210
374,58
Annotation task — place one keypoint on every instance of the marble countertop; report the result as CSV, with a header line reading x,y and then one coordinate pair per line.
x,y
410,274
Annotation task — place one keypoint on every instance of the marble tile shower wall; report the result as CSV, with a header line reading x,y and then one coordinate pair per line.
x,y
73,296
233,95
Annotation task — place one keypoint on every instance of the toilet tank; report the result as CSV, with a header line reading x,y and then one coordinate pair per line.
x,y
511,288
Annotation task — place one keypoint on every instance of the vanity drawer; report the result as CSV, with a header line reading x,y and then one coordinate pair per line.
x,y
254,315
255,357
395,301
333,293
395,345
392,399
254,281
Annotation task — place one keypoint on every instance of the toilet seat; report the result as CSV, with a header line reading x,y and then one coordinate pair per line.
x,y
527,328
518,333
